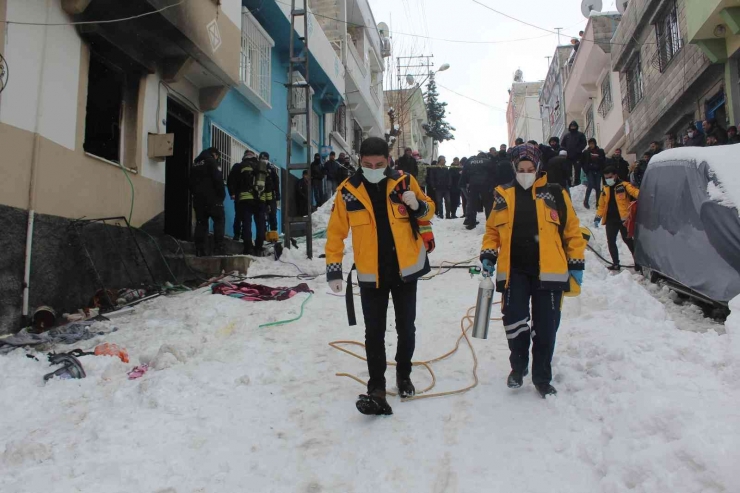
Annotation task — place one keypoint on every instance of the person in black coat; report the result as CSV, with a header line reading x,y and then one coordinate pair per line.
x,y
622,166
695,137
407,163
302,189
574,142
208,191
551,150
442,186
317,180
712,128
558,169
455,171
480,175
593,161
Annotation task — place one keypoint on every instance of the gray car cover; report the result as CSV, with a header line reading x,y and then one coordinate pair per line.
x,y
684,235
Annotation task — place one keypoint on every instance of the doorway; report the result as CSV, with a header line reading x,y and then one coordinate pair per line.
x,y
177,205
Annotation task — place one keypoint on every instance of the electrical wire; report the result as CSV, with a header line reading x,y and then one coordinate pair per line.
x,y
108,21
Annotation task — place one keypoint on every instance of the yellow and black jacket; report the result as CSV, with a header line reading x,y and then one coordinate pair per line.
x,y
623,191
353,209
558,254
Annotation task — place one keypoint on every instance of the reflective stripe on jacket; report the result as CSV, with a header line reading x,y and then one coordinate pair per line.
x,y
353,210
556,259
623,192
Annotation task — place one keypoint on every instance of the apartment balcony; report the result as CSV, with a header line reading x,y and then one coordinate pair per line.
x,y
326,71
364,79
186,41
703,19
583,73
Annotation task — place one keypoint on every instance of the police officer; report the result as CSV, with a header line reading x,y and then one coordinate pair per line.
x,y
207,188
536,258
480,177
380,205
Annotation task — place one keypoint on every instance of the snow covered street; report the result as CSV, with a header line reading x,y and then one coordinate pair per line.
x,y
649,397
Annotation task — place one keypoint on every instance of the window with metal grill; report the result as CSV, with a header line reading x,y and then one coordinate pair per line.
x,y
255,68
232,149
340,121
634,87
606,96
668,37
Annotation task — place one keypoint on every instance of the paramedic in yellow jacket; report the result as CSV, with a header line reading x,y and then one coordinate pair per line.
x,y
536,258
379,206
614,210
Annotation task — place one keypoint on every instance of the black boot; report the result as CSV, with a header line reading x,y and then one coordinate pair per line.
x,y
516,379
405,387
546,389
614,267
585,204
374,404
248,248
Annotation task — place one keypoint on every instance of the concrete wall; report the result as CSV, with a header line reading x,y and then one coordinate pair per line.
x,y
670,97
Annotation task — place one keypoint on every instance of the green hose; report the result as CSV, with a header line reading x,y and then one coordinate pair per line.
x,y
283,322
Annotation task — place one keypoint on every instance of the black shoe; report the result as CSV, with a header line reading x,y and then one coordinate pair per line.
x,y
405,387
516,379
585,204
614,267
374,404
237,238
453,216
470,227
546,389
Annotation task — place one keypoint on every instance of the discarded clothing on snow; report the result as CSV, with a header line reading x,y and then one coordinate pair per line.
x,y
258,292
64,334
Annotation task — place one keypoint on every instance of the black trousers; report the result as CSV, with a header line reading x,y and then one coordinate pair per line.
x,y
273,215
237,220
203,212
253,209
375,310
545,316
476,201
454,202
464,197
613,229
577,173
443,203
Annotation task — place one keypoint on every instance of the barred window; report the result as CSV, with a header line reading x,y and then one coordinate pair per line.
x,y
255,70
606,96
231,149
340,121
357,136
590,131
634,89
668,37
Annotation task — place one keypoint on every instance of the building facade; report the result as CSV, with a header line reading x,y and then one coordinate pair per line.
x,y
552,96
410,116
592,87
714,26
104,120
523,117
361,51
666,83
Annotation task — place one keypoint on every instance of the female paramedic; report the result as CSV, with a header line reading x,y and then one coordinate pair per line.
x,y
534,235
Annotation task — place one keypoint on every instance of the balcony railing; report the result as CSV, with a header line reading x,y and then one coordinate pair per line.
x,y
255,70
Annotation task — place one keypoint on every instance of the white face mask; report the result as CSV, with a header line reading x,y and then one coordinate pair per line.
x,y
526,180
374,175
610,181
691,135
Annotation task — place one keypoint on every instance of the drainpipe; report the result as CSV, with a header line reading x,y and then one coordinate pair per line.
x,y
32,183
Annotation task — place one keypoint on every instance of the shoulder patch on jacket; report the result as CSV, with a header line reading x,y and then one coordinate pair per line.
x,y
620,188
499,202
546,194
352,203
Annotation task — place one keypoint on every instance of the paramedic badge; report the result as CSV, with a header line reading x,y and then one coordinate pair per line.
x,y
553,215
402,210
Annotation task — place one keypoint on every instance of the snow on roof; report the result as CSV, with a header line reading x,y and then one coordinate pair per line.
x,y
604,14
724,162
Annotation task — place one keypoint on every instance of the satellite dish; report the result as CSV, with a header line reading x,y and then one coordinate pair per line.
x,y
383,29
410,79
591,5
622,5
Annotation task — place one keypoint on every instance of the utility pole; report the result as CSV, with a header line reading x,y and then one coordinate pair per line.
x,y
558,29
548,62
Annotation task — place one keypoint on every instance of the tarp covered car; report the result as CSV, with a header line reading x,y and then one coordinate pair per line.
x,y
688,227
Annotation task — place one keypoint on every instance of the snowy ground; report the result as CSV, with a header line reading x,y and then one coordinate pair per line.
x,y
643,406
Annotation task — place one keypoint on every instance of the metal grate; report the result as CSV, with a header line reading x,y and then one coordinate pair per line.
x,y
668,37
232,150
606,97
590,131
634,88
340,121
256,54
356,136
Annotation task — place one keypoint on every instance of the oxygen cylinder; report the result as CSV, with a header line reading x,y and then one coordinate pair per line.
x,y
483,307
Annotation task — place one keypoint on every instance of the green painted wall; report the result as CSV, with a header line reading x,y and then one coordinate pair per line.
x,y
697,12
